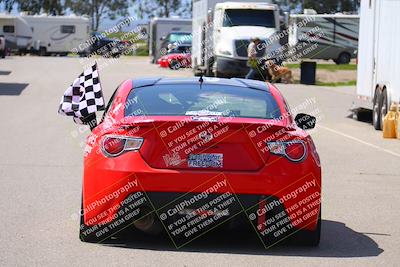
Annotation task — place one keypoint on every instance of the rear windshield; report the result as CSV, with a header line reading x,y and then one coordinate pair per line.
x,y
210,100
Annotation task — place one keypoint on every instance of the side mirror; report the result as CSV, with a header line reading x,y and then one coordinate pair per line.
x,y
305,121
163,38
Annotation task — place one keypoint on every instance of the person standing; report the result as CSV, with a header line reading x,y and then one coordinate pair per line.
x,y
252,53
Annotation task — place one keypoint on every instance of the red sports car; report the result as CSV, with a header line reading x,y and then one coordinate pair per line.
x,y
175,60
184,156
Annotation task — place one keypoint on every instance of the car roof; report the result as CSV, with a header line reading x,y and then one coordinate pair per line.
x,y
237,82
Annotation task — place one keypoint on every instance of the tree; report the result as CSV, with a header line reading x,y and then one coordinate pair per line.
x,y
99,9
8,4
163,8
52,7
332,6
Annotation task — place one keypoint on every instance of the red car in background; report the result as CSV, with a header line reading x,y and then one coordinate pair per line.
x,y
184,156
176,58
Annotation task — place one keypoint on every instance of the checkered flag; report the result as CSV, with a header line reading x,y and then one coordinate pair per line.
x,y
83,97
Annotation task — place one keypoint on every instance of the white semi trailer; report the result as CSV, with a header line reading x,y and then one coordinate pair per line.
x,y
378,79
159,30
222,32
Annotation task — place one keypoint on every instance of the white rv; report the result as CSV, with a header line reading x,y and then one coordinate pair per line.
x,y
17,33
336,36
378,79
222,32
58,34
159,30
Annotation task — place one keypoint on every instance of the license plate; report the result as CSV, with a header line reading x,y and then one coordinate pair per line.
x,y
206,160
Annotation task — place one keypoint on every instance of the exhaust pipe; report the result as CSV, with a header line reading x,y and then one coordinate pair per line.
x,y
148,221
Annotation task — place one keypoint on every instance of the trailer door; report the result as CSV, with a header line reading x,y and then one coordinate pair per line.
x,y
366,51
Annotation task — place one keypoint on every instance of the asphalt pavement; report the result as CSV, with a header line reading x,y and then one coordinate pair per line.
x,y
41,171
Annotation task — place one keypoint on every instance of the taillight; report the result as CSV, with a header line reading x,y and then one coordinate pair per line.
x,y
293,150
114,146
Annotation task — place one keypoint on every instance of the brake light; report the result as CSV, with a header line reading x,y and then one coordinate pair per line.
x,y
293,150
114,146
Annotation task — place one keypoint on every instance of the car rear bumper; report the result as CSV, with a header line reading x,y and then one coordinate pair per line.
x,y
185,216
108,182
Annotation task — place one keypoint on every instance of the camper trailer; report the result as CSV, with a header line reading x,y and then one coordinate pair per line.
x,y
222,32
17,33
335,36
58,34
378,81
159,30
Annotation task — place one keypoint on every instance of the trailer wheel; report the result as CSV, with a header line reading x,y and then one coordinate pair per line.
x,y
376,110
42,51
384,105
343,58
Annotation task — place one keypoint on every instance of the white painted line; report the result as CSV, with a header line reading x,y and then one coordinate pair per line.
x,y
360,141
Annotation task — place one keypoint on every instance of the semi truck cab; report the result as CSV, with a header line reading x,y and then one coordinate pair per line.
x,y
235,24
225,40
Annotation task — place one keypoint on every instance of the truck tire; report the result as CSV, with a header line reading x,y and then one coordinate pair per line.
x,y
197,72
218,74
343,58
209,70
384,105
376,110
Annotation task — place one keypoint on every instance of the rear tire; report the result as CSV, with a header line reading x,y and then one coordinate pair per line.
x,y
384,105
343,58
88,233
376,110
308,238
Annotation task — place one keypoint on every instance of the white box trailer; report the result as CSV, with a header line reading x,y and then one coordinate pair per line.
x,y
339,41
222,32
160,28
17,33
378,79
58,34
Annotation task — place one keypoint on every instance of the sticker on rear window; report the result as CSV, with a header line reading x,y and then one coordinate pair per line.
x,y
210,119
203,113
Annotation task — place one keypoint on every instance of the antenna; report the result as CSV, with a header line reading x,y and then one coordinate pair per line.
x,y
201,80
